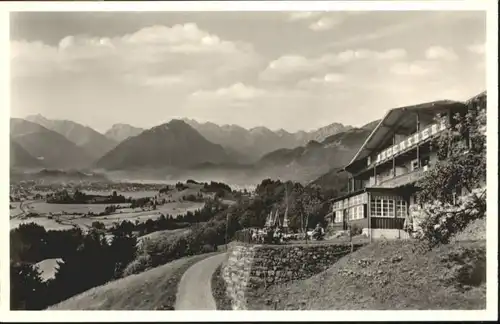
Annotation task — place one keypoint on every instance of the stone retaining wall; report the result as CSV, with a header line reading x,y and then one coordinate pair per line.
x,y
251,268
236,273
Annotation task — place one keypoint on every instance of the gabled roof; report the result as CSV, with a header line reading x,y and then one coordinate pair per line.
x,y
391,119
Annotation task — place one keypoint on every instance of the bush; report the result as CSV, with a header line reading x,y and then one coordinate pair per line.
x,y
190,198
207,248
142,263
443,220
98,225
356,230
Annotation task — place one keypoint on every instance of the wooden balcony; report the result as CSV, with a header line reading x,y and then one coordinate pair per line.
x,y
401,179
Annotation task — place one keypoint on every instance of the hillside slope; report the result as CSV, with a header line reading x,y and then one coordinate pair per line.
x,y
55,150
392,275
174,144
306,163
20,158
93,142
154,289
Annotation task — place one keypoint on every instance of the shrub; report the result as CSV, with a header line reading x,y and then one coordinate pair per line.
x,y
207,248
443,220
98,225
356,230
140,264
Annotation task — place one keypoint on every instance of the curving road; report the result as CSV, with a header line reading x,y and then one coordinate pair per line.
x,y
195,288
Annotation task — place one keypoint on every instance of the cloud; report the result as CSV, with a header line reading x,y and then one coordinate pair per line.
x,y
479,48
390,54
327,79
441,53
299,66
237,91
330,78
411,69
387,30
325,23
318,21
152,56
303,15
290,64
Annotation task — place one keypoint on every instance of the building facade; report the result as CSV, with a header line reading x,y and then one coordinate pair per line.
x,y
382,174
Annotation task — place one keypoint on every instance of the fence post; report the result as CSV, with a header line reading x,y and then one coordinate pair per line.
x,y
227,224
350,238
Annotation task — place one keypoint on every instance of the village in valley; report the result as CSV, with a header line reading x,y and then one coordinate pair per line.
x,y
389,214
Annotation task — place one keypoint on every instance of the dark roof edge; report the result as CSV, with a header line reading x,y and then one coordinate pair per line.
x,y
347,195
443,102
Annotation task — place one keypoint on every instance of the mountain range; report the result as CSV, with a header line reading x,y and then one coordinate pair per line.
x,y
92,142
173,144
183,148
44,145
255,142
19,157
120,132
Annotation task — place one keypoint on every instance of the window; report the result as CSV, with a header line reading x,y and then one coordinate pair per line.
x,y
376,207
382,207
401,208
385,206
425,161
356,212
361,212
338,216
414,165
369,160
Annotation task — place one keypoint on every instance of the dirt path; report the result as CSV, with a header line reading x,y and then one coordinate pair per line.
x,y
195,289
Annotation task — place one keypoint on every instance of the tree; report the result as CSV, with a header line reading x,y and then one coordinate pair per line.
x,y
462,164
28,243
98,225
461,158
27,291
123,248
309,202
89,266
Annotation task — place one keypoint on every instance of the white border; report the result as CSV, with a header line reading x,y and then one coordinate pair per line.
x,y
490,6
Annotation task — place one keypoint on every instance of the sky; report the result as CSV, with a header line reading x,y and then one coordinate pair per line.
x,y
283,70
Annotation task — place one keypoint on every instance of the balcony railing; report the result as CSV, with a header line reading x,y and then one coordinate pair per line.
x,y
410,142
402,179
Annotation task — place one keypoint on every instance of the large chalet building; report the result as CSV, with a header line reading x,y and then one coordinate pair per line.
x,y
382,174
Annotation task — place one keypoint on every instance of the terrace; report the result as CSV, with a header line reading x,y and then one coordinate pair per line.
x,y
402,179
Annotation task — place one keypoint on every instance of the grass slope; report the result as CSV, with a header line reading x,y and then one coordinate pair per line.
x,y
155,289
168,235
391,275
476,230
